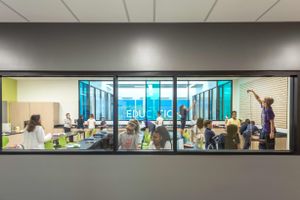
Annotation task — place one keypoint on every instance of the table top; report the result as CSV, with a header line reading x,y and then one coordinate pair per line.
x,y
12,133
69,134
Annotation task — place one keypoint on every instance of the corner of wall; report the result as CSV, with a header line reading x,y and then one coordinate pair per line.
x,y
9,93
9,89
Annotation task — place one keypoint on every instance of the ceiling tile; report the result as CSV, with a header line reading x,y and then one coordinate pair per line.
x,y
7,15
42,10
285,10
98,10
140,10
239,10
182,10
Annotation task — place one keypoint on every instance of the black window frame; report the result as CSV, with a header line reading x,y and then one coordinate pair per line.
x,y
293,112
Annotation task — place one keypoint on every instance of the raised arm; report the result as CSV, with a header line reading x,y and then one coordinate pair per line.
x,y
256,96
192,106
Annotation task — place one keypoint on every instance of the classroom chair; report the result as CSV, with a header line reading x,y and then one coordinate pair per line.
x,y
49,145
5,141
146,140
62,141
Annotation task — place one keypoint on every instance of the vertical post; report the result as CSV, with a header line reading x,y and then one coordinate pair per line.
x,y
218,102
294,116
174,113
79,98
209,104
159,97
231,91
115,113
1,113
188,97
146,101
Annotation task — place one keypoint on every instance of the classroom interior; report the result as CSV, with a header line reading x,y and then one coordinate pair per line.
x,y
140,98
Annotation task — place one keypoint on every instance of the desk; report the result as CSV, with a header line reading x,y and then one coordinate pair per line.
x,y
92,142
14,137
89,142
69,134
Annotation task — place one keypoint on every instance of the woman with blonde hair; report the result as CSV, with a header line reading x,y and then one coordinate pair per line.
x,y
129,139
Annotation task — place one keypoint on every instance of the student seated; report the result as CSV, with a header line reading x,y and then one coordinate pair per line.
x,y
231,138
34,135
105,143
244,126
148,124
160,139
247,134
197,132
103,125
129,139
255,130
208,134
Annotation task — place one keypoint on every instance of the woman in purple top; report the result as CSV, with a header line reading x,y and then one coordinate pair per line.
x,y
268,125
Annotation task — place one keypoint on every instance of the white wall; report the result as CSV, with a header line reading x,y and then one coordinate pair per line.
x,y
65,92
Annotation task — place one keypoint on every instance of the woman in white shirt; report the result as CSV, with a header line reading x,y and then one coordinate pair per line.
x,y
34,135
159,120
160,139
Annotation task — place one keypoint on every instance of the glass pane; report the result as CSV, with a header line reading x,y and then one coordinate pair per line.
x,y
196,99
98,105
103,105
182,98
214,98
166,100
206,105
138,131
111,106
214,104
84,108
227,99
201,105
221,104
132,100
53,113
153,95
247,130
220,83
92,100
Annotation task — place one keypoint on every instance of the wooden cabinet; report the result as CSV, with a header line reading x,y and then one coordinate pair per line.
x,y
18,113
21,111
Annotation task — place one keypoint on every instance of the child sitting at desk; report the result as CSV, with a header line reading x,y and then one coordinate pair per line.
x,y
103,125
129,139
247,134
208,133
232,139
160,139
